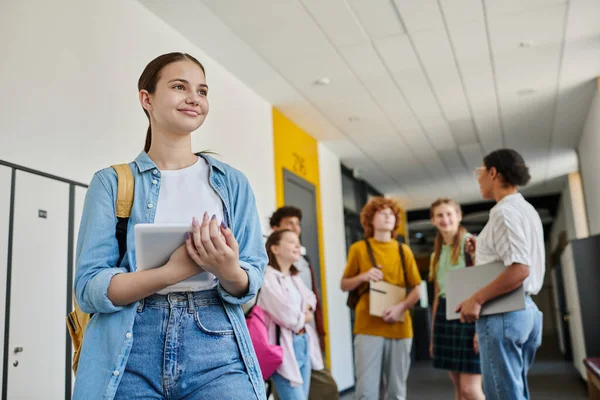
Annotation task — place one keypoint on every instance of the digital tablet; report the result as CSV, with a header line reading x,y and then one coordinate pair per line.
x,y
462,283
154,244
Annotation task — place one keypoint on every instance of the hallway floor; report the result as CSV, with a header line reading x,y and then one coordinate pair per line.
x,y
549,379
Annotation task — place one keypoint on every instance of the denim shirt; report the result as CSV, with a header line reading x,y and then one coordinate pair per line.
x,y
108,336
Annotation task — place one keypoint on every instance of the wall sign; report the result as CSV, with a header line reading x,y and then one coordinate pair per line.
x,y
299,165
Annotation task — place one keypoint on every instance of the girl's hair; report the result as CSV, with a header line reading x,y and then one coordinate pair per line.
x,y
510,165
439,239
375,205
274,240
151,76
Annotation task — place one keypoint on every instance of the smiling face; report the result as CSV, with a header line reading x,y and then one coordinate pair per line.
x,y
291,223
288,249
446,218
179,103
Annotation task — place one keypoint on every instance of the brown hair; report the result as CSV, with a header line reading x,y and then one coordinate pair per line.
x,y
439,239
151,76
375,205
284,212
274,240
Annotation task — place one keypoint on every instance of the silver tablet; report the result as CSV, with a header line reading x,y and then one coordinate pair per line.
x,y
154,244
464,282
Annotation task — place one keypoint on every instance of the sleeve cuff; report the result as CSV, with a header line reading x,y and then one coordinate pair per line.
x,y
98,291
254,283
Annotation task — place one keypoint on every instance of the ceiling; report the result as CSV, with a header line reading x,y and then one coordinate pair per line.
x,y
420,90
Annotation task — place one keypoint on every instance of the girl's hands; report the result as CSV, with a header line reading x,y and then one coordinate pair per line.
x,y
213,247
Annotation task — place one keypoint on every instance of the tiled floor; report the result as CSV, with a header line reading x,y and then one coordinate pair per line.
x,y
549,379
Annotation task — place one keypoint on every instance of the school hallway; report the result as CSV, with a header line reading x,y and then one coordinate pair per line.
x,y
551,378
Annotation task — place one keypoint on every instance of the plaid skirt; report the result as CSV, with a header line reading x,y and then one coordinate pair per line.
x,y
453,344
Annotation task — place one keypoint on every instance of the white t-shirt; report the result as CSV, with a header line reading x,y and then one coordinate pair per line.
x,y
514,234
184,194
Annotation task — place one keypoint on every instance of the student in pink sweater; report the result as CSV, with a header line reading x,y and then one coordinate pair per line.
x,y
289,305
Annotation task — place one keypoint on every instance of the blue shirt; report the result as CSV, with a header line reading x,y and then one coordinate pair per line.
x,y
108,336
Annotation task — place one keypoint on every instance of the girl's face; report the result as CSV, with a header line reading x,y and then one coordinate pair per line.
x,y
289,248
384,220
446,218
179,104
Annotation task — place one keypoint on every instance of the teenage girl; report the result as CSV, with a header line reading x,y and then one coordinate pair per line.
x,y
453,344
289,304
154,335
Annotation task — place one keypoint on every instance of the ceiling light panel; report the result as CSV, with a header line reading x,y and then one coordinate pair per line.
x,y
338,21
377,18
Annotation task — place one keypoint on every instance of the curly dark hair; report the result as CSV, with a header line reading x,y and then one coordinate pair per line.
x,y
375,205
510,165
284,212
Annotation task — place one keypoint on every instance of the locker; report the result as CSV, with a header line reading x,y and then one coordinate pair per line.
x,y
38,289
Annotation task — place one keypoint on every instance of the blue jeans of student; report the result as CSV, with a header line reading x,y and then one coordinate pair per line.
x,y
184,348
284,390
507,346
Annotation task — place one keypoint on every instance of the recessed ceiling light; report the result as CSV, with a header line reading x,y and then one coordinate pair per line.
x,y
324,81
526,43
525,92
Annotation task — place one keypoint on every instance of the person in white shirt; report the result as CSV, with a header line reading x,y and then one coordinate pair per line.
x,y
514,235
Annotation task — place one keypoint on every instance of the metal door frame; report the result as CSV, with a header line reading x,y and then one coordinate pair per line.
x,y
70,262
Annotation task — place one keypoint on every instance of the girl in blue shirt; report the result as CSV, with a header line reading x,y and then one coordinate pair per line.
x,y
148,338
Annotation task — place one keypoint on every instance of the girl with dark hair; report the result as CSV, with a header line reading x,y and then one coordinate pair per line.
x,y
453,343
289,307
513,235
153,335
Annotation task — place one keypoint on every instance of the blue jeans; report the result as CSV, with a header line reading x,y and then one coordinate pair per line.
x,y
284,389
184,348
507,346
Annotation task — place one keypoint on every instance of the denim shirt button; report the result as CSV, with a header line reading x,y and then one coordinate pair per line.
x,y
155,172
154,181
128,335
116,373
150,205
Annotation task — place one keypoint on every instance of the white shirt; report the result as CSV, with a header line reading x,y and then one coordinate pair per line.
x,y
514,234
295,298
184,194
304,272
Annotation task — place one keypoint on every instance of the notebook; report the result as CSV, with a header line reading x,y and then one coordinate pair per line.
x,y
383,295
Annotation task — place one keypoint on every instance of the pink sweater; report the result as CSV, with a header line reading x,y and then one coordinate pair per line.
x,y
274,300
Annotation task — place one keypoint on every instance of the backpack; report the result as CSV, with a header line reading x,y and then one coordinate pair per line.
x,y
77,320
270,356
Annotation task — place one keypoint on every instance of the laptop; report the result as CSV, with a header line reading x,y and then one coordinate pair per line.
x,y
462,283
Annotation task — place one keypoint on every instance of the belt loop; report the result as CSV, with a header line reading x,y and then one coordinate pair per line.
x,y
191,306
140,306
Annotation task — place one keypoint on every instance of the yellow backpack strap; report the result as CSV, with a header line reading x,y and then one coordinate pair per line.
x,y
125,190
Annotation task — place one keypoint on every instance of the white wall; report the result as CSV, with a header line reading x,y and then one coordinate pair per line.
x,y
339,329
69,107
589,148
